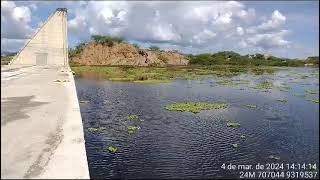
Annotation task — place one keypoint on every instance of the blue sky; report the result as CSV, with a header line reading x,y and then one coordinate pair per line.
x,y
282,28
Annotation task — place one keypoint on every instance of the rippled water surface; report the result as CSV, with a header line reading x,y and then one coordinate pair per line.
x,y
188,145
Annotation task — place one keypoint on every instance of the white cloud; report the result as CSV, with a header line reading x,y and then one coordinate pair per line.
x,y
270,40
276,21
240,31
180,23
205,26
15,21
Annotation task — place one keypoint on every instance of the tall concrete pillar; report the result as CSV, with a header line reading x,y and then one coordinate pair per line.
x,y
49,45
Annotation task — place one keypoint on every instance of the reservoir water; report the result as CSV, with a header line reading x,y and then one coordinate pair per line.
x,y
283,127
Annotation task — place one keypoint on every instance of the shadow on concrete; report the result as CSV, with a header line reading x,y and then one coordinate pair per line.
x,y
13,108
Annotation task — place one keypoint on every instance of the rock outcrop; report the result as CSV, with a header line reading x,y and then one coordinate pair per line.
x,y
126,54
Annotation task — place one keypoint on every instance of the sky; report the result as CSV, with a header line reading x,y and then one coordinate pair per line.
x,y
281,28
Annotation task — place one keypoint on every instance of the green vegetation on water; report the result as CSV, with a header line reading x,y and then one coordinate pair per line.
x,y
194,107
251,106
121,79
112,149
282,100
233,125
312,91
232,82
264,85
167,74
153,81
96,130
315,100
133,129
133,117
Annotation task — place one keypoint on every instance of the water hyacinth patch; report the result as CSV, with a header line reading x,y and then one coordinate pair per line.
x,y
96,130
315,100
233,124
133,129
284,88
121,79
133,117
153,81
251,106
264,85
282,100
194,107
312,91
232,82
112,149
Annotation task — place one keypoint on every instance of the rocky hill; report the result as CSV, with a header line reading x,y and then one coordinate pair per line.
x,y
123,53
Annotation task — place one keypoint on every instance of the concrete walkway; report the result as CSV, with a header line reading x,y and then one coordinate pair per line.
x,y
41,126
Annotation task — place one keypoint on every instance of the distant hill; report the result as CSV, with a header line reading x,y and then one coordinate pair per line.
x,y
104,50
312,60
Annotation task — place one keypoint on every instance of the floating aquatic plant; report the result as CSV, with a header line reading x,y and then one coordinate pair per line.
x,y
312,91
133,117
264,85
96,130
233,124
153,81
251,106
282,100
133,129
232,83
121,79
112,149
284,88
194,107
315,100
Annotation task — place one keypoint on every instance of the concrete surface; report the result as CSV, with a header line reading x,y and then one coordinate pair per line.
x,y
41,126
49,44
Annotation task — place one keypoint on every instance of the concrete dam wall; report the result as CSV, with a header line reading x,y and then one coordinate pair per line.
x,y
49,46
41,126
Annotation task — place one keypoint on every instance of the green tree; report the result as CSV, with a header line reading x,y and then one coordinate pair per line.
x,y
106,40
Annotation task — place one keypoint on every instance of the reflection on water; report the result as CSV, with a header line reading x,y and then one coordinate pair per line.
x,y
187,145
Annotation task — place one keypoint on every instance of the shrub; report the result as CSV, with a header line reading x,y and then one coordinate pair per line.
x,y
106,40
163,58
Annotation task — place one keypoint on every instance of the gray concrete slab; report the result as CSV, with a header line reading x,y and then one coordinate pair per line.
x,y
41,126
